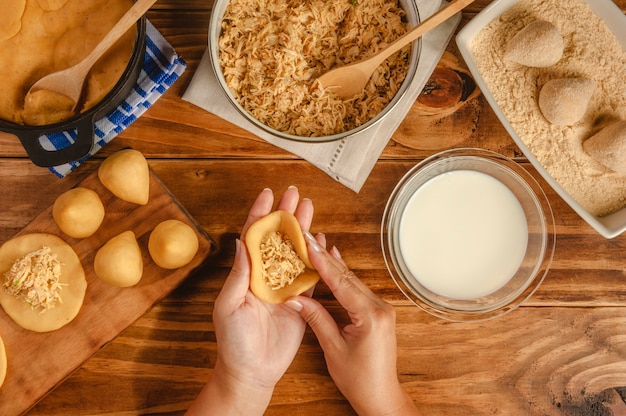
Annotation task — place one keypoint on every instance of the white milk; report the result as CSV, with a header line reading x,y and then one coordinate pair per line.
x,y
463,234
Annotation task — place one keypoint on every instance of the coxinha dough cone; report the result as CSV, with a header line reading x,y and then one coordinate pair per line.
x,y
72,279
127,176
256,239
119,261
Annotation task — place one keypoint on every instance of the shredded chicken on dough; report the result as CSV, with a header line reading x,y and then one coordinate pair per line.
x,y
281,264
271,52
34,279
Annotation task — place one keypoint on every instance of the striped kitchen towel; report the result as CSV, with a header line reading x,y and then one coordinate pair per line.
x,y
162,66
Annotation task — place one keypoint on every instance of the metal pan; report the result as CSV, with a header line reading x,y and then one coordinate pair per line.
x,y
83,123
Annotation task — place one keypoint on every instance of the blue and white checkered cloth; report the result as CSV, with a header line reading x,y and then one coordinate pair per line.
x,y
162,66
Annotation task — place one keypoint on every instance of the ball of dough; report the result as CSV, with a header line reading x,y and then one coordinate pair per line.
x,y
172,244
608,146
119,261
78,212
538,45
564,101
127,175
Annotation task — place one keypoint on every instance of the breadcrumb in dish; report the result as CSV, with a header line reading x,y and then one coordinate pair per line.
x,y
281,264
271,52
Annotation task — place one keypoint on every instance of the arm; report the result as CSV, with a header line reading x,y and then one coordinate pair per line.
x,y
256,341
361,357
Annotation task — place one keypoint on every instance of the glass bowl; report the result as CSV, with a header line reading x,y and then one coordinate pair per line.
x,y
468,235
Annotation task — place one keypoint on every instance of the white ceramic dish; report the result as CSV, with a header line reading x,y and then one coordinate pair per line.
x,y
608,226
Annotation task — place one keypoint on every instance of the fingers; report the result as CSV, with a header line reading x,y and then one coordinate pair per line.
x,y
304,213
260,208
289,201
349,290
320,321
235,287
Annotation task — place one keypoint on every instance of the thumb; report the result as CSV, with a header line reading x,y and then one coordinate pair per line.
x,y
236,285
319,319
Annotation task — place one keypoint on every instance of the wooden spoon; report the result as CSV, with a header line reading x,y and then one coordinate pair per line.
x,y
69,82
349,80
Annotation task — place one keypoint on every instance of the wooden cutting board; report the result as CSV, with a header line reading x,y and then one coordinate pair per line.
x,y
38,362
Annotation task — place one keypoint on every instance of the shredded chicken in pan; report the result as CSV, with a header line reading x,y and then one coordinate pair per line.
x,y
271,52
34,278
281,264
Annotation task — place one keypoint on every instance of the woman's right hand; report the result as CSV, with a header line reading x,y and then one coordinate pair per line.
x,y
361,357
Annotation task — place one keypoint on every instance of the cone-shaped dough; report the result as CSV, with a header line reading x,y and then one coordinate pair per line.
x,y
287,224
564,101
608,146
127,176
119,261
538,44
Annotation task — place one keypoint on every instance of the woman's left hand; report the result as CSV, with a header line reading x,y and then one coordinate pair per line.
x,y
256,341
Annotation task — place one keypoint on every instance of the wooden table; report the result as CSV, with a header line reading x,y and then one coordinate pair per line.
x,y
563,352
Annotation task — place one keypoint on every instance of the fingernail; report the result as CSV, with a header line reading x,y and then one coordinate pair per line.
x,y
237,246
294,304
335,252
293,187
312,242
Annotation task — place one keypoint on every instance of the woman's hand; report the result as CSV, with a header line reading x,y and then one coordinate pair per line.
x,y
256,341
361,357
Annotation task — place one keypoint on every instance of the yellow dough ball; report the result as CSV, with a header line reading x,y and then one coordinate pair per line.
x,y
78,212
172,244
119,261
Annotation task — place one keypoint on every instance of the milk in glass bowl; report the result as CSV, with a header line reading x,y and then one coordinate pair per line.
x,y
468,234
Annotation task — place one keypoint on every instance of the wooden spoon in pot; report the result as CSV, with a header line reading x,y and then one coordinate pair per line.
x,y
69,82
349,80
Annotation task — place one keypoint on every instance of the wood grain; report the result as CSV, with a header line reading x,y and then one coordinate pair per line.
x,y
37,362
561,353
173,346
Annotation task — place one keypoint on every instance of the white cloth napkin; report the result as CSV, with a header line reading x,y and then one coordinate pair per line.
x,y
350,160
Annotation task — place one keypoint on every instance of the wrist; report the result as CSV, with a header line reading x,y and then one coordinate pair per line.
x,y
394,401
225,395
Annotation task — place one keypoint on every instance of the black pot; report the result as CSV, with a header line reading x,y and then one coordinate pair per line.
x,y
83,122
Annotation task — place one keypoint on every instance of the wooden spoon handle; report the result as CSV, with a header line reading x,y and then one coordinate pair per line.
x,y
122,26
433,21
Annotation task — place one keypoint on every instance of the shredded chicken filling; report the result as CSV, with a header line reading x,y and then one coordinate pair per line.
x,y
281,263
272,51
34,279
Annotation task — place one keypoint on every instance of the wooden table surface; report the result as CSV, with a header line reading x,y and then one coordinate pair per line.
x,y
563,352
